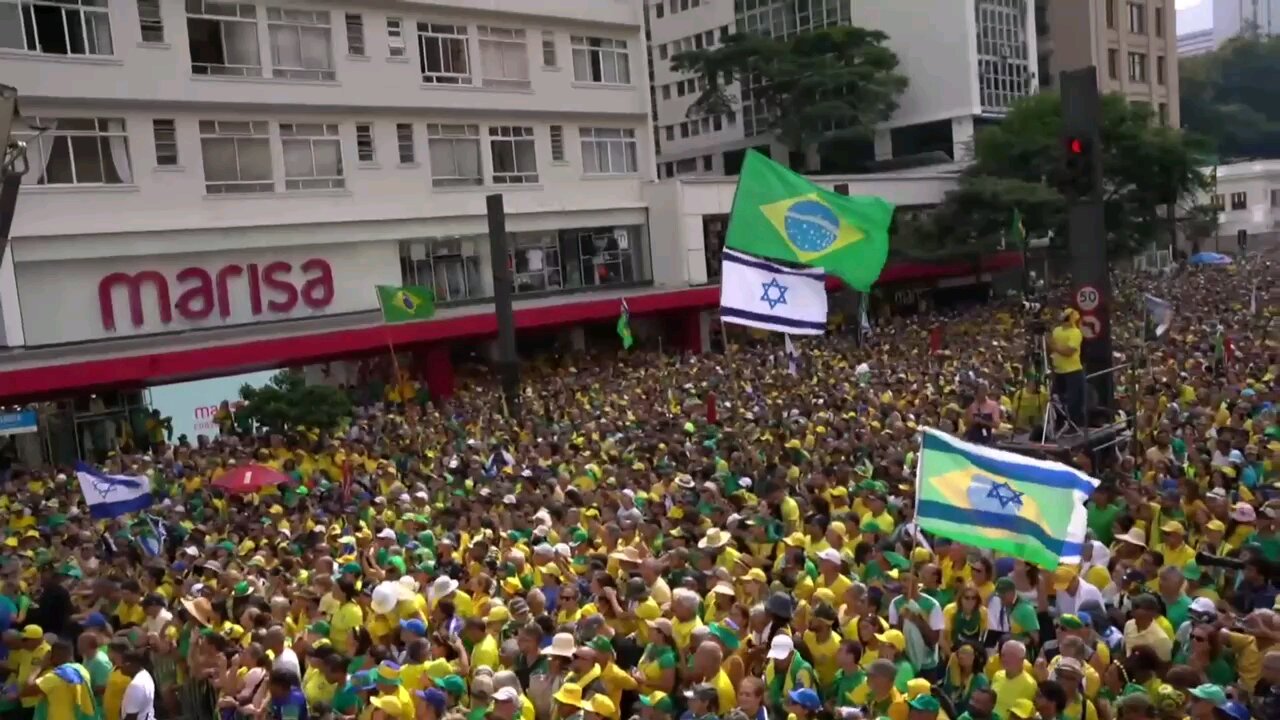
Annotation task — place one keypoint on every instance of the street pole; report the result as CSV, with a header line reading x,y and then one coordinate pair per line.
x,y
508,363
1087,231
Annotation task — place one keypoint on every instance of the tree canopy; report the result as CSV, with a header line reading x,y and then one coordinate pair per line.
x,y
1020,164
834,83
1229,97
287,402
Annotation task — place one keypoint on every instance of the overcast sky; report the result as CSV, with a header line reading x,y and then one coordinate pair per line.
x,y
1194,15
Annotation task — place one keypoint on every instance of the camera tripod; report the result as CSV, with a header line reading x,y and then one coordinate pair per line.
x,y
1056,421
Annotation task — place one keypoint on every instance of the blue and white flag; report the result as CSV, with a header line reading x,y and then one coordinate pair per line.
x,y
793,356
110,496
765,295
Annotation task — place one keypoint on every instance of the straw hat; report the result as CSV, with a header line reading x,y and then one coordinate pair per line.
x,y
200,609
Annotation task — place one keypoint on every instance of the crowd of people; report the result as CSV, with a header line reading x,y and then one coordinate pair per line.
x,y
684,537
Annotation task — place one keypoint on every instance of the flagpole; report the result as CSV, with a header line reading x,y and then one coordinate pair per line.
x,y
395,362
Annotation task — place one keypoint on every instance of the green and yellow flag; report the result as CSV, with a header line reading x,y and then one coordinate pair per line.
x,y
405,304
780,214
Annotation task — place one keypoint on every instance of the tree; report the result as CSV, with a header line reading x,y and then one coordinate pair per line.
x,y
288,402
1019,164
1229,97
834,83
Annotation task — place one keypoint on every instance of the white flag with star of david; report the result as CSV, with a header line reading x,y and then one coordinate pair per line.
x,y
765,295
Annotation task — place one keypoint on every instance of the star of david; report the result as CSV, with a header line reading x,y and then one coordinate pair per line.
x,y
105,487
1004,494
775,293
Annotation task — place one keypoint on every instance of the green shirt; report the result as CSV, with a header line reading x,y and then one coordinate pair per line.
x,y
1178,611
99,667
347,700
841,690
1100,520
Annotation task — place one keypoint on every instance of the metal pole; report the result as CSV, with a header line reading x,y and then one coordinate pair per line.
x,y
508,363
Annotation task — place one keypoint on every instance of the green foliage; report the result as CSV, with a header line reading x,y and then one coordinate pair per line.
x,y
833,83
1229,96
287,402
1020,164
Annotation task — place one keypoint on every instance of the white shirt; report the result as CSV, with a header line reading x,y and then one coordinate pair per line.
x,y
1086,593
288,660
158,623
140,697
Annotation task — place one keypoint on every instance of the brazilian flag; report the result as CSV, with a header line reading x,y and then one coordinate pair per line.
x,y
407,303
781,215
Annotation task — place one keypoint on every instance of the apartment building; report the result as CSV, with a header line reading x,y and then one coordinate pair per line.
x,y
1132,43
965,66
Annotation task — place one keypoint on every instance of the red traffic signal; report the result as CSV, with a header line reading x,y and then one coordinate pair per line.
x,y
1075,146
1079,167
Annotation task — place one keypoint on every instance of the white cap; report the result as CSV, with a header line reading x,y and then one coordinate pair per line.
x,y
508,499
1204,606
386,534
781,647
505,694
745,482
830,555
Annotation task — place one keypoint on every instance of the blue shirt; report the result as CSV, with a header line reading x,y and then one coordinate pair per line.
x,y
292,707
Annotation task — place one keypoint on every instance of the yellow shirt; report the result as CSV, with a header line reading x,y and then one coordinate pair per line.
x,y
113,697
62,696
1178,558
130,614
1009,690
27,662
823,656
683,632
317,689
345,621
1071,337
487,652
724,689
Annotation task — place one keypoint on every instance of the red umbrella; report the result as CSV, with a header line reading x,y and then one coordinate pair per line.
x,y
249,479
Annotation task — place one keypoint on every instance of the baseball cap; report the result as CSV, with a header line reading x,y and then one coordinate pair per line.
x,y
436,698
415,626
95,620
924,703
781,647
806,698
505,694
1210,693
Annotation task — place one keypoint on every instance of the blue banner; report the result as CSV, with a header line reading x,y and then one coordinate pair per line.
x,y
17,423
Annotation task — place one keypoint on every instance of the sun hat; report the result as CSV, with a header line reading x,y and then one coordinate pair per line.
x,y
715,538
200,609
389,704
1063,576
1132,537
781,647
1244,512
601,705
569,694
562,645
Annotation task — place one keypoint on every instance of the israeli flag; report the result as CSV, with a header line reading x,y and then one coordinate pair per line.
x,y
761,294
110,496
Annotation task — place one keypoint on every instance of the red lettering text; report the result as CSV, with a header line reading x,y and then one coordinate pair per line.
x,y
272,288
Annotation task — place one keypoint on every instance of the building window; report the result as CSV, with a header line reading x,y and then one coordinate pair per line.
x,y
1111,14
68,27
1219,202
1164,113
364,143
1275,198
404,143
455,155
312,156
608,151
684,128
600,60
449,266
150,21
514,155
1160,69
300,44
1113,63
557,143
549,49
355,34
395,37
1239,200
1137,18
666,92
79,151
535,263
605,256
686,166
708,163
165,135
443,54
1159,21
237,156
1137,67
670,131
504,57
663,52
660,10
223,38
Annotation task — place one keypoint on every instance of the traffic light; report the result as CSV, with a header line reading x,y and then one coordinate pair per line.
x,y
1079,169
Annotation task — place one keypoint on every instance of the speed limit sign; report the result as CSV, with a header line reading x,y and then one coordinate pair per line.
x,y
1088,298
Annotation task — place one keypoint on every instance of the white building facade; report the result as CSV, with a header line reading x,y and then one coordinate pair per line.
x,y
1248,201
205,164
967,64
